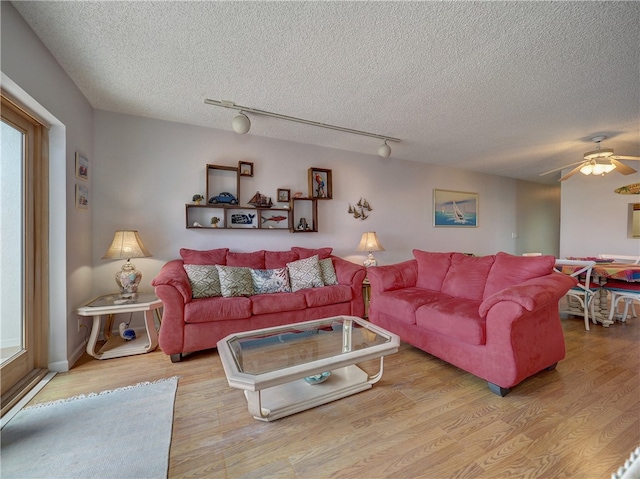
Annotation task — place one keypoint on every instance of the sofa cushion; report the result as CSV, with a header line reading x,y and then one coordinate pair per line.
x,y
467,276
454,318
403,303
305,273
277,303
217,309
270,281
328,272
204,280
432,268
279,259
339,293
508,270
235,281
253,260
212,256
303,253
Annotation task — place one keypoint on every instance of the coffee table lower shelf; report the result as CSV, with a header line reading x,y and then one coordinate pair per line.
x,y
290,398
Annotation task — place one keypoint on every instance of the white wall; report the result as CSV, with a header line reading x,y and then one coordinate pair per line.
x,y
146,170
595,219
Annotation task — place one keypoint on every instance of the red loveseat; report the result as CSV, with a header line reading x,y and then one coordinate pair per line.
x,y
494,316
192,324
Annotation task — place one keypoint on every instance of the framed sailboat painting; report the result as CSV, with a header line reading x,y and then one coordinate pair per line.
x,y
457,209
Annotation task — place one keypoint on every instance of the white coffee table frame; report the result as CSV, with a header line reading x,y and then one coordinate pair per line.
x,y
276,394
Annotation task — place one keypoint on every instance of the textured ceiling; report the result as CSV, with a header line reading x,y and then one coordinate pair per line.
x,y
513,88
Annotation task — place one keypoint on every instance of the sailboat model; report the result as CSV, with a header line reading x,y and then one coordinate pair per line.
x,y
260,201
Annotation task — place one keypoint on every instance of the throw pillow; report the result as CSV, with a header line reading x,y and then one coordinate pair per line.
x,y
204,280
328,272
305,273
270,281
212,256
235,281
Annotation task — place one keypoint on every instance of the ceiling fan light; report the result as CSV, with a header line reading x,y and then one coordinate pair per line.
x,y
598,169
603,153
609,168
587,169
241,123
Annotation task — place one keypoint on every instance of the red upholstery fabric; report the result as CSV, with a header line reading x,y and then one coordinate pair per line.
x,y
277,302
212,256
391,277
173,274
404,302
253,260
338,293
205,310
432,268
303,253
508,270
279,259
467,276
453,318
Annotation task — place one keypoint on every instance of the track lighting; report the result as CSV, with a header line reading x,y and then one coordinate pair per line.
x,y
241,123
384,150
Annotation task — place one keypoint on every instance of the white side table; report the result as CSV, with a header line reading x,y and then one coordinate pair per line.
x,y
111,304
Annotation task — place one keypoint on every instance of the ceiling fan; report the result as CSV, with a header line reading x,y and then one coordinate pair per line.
x,y
598,162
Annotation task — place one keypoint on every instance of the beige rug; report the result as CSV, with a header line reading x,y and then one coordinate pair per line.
x,y
124,433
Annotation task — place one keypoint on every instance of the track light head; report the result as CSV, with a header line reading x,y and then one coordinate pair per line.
x,y
384,150
241,123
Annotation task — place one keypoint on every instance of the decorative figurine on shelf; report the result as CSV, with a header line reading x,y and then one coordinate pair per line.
x,y
320,192
197,225
297,194
303,225
214,221
197,199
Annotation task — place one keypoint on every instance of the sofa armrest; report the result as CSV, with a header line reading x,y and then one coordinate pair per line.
x,y
532,294
173,274
391,277
348,272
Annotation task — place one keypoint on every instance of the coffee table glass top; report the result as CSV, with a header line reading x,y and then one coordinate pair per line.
x,y
117,300
279,348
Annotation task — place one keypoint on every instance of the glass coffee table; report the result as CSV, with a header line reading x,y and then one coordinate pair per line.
x,y
292,368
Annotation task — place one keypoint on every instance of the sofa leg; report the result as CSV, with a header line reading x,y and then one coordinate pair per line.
x,y
176,358
551,368
495,389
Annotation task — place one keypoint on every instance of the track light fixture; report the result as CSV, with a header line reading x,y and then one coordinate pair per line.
x,y
242,124
384,150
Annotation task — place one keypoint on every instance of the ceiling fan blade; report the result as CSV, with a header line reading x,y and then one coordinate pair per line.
x,y
631,158
622,168
563,167
571,173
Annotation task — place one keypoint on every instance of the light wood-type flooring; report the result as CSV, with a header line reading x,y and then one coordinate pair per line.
x,y
424,419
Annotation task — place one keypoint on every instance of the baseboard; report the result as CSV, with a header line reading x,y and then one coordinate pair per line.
x,y
64,366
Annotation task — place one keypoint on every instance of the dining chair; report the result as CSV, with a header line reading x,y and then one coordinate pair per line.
x,y
622,290
585,290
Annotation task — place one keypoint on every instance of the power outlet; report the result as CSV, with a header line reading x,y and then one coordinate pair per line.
x,y
79,324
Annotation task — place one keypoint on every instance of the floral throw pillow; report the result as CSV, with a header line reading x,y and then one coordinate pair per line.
x,y
270,281
235,281
305,273
204,280
328,272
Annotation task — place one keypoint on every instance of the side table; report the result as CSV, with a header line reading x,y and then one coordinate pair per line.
x,y
112,304
366,296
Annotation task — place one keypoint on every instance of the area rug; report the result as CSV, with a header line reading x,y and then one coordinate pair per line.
x,y
124,433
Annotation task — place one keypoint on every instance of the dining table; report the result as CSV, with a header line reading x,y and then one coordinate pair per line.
x,y
604,271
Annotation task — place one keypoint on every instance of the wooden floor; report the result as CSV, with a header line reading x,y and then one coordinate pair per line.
x,y
424,419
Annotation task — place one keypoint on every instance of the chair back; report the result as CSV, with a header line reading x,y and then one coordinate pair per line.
x,y
621,258
581,270
531,254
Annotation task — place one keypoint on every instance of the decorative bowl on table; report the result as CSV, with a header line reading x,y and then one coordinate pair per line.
x,y
318,378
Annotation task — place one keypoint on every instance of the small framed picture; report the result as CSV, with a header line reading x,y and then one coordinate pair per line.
x,y
245,168
320,184
457,209
82,197
82,166
284,195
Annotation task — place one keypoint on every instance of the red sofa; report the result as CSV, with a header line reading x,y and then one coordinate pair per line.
x,y
494,316
190,324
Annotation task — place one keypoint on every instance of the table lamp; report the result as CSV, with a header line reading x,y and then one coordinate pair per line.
x,y
369,242
127,244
